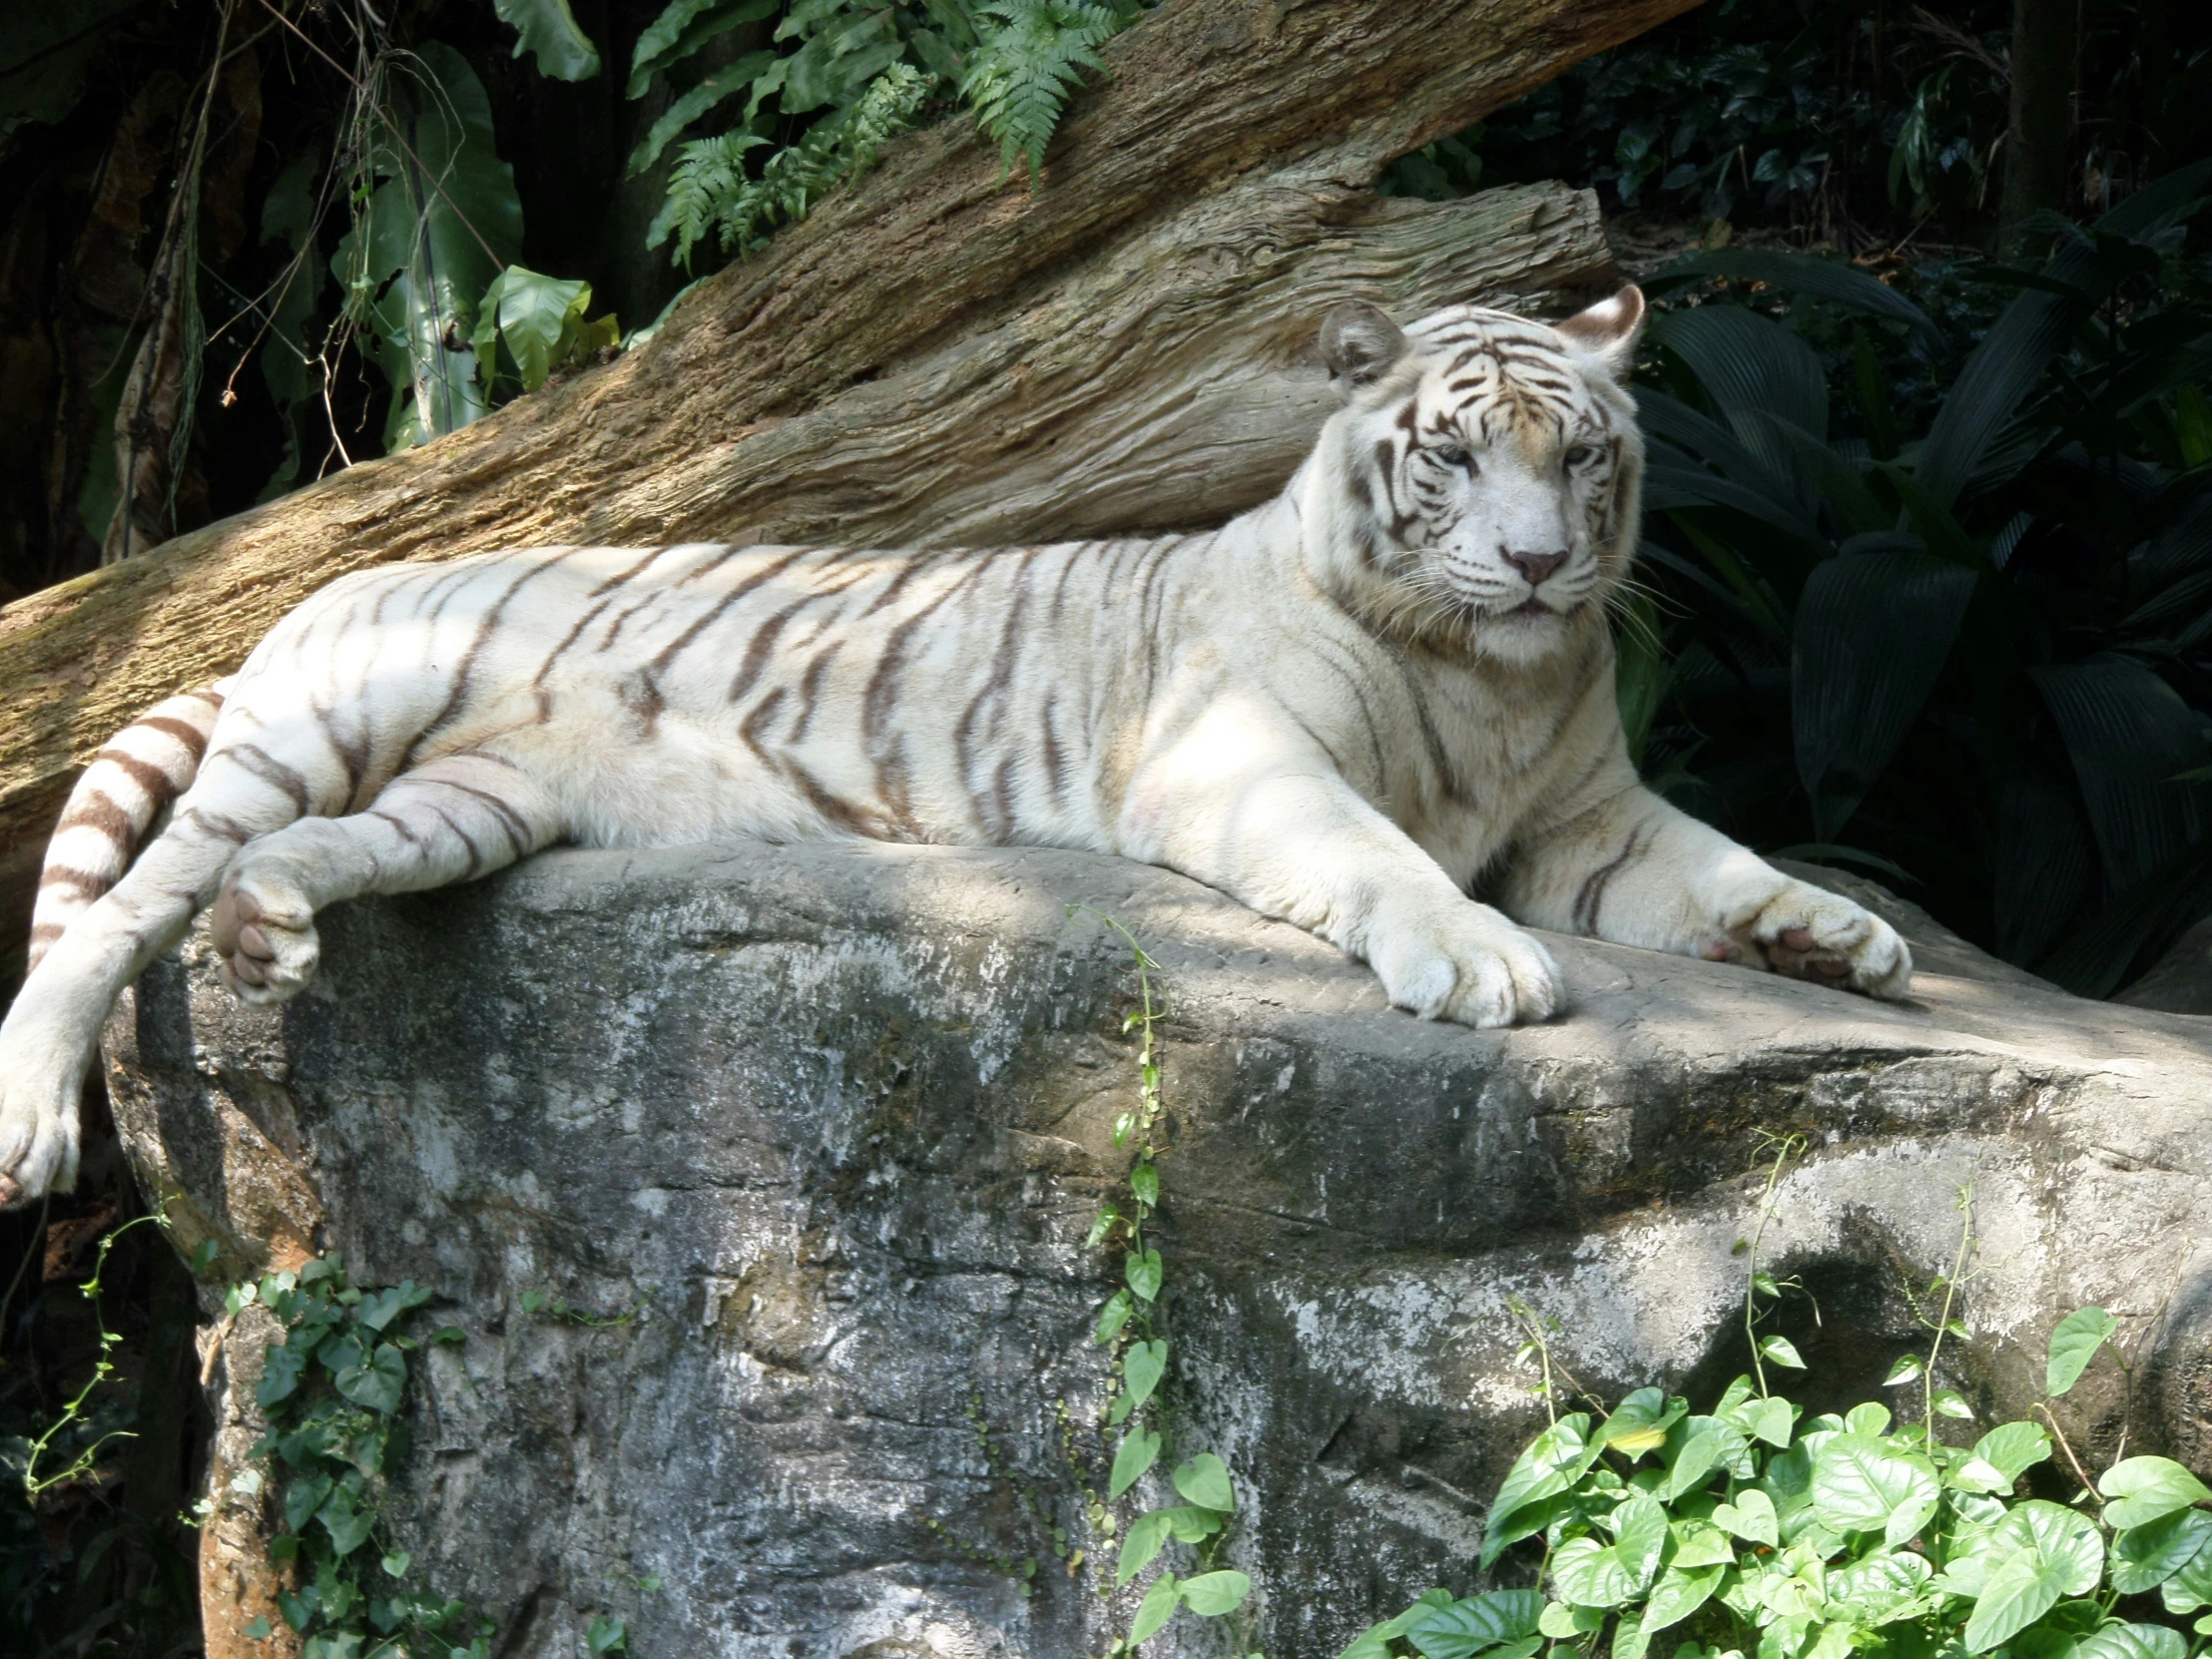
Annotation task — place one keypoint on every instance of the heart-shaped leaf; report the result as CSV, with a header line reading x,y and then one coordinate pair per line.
x,y
2144,1557
2133,1641
1476,1624
377,1384
1641,1423
2141,1490
1139,1450
1589,1575
2073,1344
1156,1610
1143,1274
1861,1485
1679,1593
1700,1545
1547,1466
1204,1480
1750,1517
1141,1369
1211,1594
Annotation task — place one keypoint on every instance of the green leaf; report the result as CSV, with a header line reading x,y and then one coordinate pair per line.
x,y
1835,280
2069,1543
1548,1465
2141,1490
1589,1574
281,1369
396,1563
606,1634
1155,1610
1639,1536
1564,1622
1211,1594
2128,735
384,1306
1750,1516
2133,1641
2189,1588
257,1631
2019,1591
1144,1181
718,88
1877,1588
1141,1369
1860,1486
1869,1418
2012,1449
1782,1352
348,1525
1476,1624
1769,1419
1641,1423
549,32
1143,1274
1692,1465
1948,1405
1113,1317
1148,1536
1700,1543
1139,1450
682,29
2144,1557
377,1384
1204,1480
1679,1593
1906,1370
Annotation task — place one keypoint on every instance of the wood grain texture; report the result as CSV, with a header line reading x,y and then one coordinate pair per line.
x,y
931,356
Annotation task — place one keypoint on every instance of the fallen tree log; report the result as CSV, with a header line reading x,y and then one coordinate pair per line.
x,y
934,355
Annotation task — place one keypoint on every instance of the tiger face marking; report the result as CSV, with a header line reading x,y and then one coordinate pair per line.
x,y
1490,467
1342,709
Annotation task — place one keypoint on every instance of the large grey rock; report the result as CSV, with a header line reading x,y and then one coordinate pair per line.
x,y
840,1116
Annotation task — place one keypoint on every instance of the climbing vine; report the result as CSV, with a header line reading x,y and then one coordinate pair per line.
x,y
1133,1324
333,1392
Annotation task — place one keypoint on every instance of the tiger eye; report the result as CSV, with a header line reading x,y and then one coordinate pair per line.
x,y
1581,454
1450,454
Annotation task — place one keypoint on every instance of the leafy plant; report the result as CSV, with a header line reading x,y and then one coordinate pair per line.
x,y
1993,634
1752,1529
335,1390
1133,1323
856,73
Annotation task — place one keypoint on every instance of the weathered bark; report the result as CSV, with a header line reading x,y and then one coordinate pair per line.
x,y
931,356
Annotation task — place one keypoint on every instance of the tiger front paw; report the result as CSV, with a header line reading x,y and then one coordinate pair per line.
x,y
38,1085
1767,919
265,937
1468,965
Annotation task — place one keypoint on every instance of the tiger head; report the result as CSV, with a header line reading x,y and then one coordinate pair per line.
x,y
1479,488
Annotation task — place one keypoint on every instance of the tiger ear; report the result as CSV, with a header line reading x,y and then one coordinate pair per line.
x,y
1607,331
1360,344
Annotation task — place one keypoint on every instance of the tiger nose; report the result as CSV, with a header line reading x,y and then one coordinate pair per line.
x,y
1534,567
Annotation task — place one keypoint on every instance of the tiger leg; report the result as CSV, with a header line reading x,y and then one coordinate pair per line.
x,y
53,1028
1633,868
455,818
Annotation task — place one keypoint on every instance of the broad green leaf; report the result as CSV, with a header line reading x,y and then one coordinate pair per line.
x,y
2012,1449
1476,1623
1906,1370
1156,1610
1144,1181
2133,1641
2141,1490
348,1525
1700,1543
1143,1274
1211,1594
536,315
1139,1450
2190,1587
2073,1344
2072,1549
1860,1486
1547,1466
1835,280
1750,1517
548,31
1871,1417
682,29
1589,1575
1877,1587
2019,1591
1768,1419
1564,1622
1641,1423
380,1309
1204,1480
379,1382
2144,1557
1781,1350
281,1369
1946,1403
1693,1465
1640,1536
1630,1639
1113,1317
1679,1593
746,75
1140,1545
1141,1369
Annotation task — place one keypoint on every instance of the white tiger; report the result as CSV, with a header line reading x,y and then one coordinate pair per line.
x,y
1342,709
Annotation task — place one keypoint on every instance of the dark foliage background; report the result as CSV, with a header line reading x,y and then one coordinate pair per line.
x,y
1930,574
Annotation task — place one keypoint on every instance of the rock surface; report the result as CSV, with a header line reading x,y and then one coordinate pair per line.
x,y
839,1116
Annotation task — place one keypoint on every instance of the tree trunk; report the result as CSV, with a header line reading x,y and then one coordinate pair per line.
x,y
935,355
2039,141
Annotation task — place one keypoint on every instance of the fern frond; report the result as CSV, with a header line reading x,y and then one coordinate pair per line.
x,y
709,176
1028,64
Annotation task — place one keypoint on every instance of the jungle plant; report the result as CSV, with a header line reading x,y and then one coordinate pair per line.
x,y
1752,1529
1994,636
334,1391
1133,1324
857,72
